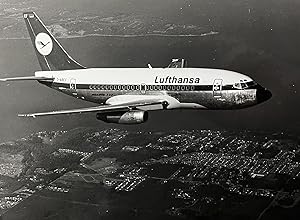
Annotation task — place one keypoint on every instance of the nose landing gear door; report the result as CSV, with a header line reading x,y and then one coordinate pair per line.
x,y
217,88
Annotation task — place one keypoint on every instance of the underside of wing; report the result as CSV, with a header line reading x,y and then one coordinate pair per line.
x,y
101,109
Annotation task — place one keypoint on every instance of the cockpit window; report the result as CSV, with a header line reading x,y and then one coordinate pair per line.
x,y
251,84
237,86
244,85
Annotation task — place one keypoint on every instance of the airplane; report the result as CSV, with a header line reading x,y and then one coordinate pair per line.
x,y
126,95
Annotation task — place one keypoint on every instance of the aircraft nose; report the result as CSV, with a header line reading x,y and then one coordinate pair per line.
x,y
262,94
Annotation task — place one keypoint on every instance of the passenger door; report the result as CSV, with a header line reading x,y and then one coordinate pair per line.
x,y
143,88
73,86
217,88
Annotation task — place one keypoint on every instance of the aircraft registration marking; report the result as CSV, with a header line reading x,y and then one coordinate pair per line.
x,y
61,79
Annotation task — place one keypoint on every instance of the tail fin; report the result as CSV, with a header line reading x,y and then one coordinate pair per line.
x,y
50,53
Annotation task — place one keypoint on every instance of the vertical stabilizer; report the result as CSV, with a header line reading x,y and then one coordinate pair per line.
x,y
51,55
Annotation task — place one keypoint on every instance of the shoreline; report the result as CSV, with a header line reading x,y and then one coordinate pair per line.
x,y
123,36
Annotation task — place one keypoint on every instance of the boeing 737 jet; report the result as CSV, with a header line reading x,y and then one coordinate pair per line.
x,y
125,95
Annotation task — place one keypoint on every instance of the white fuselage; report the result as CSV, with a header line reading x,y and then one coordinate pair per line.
x,y
192,87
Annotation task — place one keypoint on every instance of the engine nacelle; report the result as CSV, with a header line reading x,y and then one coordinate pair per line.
x,y
131,117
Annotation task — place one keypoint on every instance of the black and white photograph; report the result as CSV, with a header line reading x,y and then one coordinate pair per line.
x,y
149,109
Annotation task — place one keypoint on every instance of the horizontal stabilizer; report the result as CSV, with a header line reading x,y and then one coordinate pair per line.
x,y
26,78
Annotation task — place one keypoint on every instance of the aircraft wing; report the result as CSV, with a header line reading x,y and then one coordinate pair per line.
x,y
103,108
25,78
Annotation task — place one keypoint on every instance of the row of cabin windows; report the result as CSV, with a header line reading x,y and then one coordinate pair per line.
x,y
143,87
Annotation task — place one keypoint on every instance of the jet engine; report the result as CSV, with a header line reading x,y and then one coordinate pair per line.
x,y
131,117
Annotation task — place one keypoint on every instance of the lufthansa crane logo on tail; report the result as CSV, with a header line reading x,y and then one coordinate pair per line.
x,y
43,44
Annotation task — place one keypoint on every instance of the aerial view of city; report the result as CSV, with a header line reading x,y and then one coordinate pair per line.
x,y
184,174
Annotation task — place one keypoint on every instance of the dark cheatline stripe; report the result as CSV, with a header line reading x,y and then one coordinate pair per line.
x,y
137,87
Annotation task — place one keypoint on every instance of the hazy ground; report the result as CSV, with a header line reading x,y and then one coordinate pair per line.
x,y
253,38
